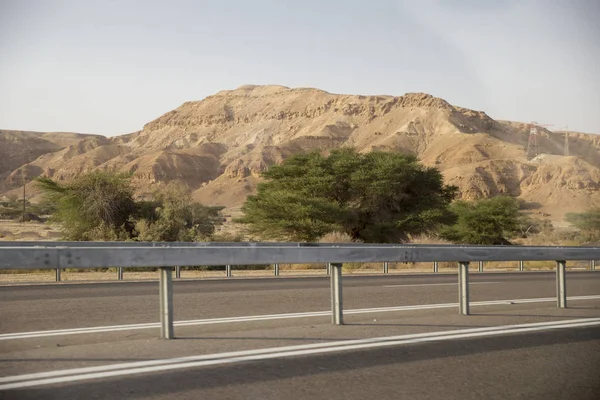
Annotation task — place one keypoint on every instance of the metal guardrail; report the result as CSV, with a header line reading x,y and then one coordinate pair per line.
x,y
165,256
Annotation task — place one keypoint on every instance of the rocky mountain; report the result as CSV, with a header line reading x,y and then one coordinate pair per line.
x,y
19,148
220,145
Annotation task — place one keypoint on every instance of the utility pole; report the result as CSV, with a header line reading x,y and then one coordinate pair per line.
x,y
27,155
24,184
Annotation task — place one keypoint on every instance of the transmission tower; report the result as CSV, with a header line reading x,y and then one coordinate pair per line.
x,y
567,141
532,145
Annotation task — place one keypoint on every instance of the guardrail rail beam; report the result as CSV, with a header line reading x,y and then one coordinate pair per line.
x,y
55,256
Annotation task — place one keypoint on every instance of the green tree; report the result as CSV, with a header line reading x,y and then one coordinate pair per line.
x,y
488,221
100,206
94,206
172,216
374,197
587,222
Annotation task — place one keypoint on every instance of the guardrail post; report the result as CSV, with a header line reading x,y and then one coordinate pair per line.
x,y
228,270
463,288
561,284
120,273
480,266
57,275
177,272
436,267
521,266
593,265
166,303
337,317
328,269
276,269
385,267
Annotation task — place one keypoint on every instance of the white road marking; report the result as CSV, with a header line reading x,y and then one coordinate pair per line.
x,y
442,284
132,368
251,318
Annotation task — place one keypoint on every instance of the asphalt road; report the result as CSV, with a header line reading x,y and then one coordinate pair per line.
x,y
59,306
512,364
545,366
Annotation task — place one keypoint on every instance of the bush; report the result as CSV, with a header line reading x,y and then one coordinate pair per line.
x,y
28,217
100,206
172,216
588,223
487,222
10,213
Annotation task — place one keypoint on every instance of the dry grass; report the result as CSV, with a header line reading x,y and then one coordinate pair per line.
x,y
555,237
426,239
337,237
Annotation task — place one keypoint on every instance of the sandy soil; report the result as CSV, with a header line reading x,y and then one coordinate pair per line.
x,y
14,230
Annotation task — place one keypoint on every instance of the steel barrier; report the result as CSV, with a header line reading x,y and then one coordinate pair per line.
x,y
166,256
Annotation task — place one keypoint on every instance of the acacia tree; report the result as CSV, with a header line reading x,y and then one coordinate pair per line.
x,y
375,197
94,206
488,221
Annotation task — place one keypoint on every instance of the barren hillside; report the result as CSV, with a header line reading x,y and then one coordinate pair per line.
x,y
17,148
220,145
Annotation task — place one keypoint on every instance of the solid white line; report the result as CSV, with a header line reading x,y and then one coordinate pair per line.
x,y
138,364
268,317
442,284
79,374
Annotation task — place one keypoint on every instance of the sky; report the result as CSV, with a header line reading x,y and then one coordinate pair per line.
x,y
110,66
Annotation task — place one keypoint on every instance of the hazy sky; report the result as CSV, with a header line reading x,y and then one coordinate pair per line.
x,y
108,67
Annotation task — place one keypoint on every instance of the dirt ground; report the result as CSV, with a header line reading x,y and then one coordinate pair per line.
x,y
15,230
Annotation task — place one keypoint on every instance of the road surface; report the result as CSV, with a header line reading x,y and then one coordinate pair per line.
x,y
506,349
